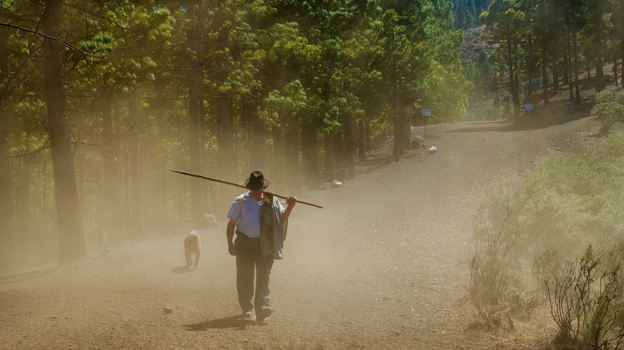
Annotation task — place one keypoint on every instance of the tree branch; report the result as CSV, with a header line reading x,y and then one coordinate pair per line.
x,y
59,40
44,147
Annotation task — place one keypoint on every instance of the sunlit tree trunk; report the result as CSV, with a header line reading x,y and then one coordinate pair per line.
x,y
71,237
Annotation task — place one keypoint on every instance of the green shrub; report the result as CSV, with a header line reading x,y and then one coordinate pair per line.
x,y
567,202
609,107
495,272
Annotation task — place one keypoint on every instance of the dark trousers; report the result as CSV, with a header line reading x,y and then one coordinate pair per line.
x,y
249,260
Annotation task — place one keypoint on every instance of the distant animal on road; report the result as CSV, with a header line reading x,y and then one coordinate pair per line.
x,y
192,245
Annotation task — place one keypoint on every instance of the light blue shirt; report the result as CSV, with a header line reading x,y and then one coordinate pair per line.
x,y
249,220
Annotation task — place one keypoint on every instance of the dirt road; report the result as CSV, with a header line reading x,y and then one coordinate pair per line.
x,y
382,266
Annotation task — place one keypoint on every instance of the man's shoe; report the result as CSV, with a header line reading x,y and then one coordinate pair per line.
x,y
247,315
263,317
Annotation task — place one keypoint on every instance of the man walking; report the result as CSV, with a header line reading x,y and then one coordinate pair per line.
x,y
259,221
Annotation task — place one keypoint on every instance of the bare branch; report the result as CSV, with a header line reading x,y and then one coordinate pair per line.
x,y
59,40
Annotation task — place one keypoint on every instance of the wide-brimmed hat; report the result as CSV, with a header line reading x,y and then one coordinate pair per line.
x,y
256,181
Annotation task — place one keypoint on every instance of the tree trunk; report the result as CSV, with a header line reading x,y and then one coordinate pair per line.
x,y
245,143
622,56
517,83
404,129
513,85
196,116
22,210
615,72
396,151
6,204
566,71
277,159
555,73
349,136
136,182
361,136
224,130
329,157
159,188
368,145
530,60
113,228
309,144
576,65
48,239
291,157
545,72
600,81
71,237
258,143
569,65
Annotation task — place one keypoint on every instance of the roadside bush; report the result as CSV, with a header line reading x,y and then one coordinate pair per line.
x,y
585,297
609,107
566,203
494,272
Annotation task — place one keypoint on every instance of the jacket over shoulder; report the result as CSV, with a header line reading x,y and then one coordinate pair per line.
x,y
272,227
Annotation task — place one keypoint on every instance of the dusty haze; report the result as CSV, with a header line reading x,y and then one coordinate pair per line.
x,y
383,265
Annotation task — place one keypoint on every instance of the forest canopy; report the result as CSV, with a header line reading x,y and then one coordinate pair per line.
x,y
99,98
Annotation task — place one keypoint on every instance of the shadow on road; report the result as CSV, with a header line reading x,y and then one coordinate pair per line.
x,y
221,323
181,269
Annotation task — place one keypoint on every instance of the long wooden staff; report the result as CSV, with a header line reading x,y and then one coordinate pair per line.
x,y
239,185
